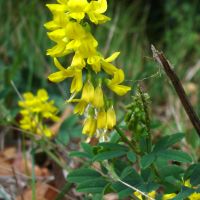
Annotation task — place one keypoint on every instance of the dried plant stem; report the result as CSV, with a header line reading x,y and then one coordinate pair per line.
x,y
160,58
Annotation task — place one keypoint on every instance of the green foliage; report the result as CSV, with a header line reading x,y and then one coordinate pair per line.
x,y
69,129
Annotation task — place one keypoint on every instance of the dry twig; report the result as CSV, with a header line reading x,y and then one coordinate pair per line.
x,y
160,58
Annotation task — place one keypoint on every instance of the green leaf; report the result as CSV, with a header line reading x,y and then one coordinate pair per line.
x,y
193,139
63,137
185,192
106,155
122,190
171,170
92,186
147,160
175,155
87,148
80,175
79,154
125,193
131,156
129,175
168,141
195,177
113,146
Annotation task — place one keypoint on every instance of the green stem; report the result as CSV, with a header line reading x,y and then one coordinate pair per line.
x,y
33,174
125,140
54,158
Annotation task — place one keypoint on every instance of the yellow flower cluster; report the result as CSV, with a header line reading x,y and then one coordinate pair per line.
x,y
193,196
35,109
89,70
150,194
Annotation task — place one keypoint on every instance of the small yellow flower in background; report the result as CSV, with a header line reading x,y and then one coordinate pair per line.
x,y
194,196
150,194
168,196
89,71
35,109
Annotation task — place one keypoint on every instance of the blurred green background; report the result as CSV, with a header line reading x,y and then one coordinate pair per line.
x,y
172,26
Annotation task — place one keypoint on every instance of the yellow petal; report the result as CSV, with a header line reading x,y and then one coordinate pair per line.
x,y
51,25
119,89
57,50
89,127
78,61
57,34
118,77
168,196
57,64
42,94
99,6
98,100
61,75
111,118
77,15
77,82
101,119
80,107
94,61
56,8
108,67
138,195
88,92
112,57
98,18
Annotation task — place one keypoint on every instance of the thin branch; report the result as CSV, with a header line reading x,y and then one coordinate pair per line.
x,y
160,58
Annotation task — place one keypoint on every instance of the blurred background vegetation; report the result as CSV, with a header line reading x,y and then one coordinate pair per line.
x,y
172,26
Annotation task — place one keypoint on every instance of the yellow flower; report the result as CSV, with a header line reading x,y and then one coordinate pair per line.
x,y
106,63
187,183
114,83
98,100
77,83
101,119
95,10
80,107
111,118
150,194
88,92
59,76
194,196
77,9
34,110
89,127
168,196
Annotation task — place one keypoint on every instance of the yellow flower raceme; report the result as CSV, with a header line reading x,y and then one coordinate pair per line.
x,y
88,68
34,110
